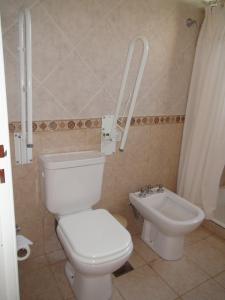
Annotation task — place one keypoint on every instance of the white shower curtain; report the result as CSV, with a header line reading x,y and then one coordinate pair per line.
x,y
203,146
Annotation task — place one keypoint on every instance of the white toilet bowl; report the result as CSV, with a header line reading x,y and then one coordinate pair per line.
x,y
96,245
167,218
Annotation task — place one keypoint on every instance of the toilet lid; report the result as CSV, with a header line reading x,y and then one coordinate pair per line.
x,y
94,234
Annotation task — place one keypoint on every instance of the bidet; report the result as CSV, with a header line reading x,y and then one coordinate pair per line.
x,y
167,218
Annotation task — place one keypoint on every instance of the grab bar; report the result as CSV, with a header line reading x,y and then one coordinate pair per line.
x,y
111,128
24,140
136,87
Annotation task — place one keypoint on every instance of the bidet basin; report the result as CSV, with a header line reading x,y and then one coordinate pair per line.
x,y
167,218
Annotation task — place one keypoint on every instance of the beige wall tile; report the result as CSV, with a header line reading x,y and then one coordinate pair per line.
x,y
222,180
9,11
12,85
103,51
76,84
100,31
151,157
75,18
48,44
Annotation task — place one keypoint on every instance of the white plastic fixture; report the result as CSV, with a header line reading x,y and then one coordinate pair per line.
x,y
64,176
110,128
167,218
24,140
96,244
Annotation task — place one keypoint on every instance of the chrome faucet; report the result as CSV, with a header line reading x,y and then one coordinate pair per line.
x,y
143,192
160,188
149,189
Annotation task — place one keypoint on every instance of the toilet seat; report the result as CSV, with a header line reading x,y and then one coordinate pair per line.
x,y
94,236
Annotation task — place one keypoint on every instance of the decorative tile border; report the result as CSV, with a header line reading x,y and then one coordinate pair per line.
x,y
58,125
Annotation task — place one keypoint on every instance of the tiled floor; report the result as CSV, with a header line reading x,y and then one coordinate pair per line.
x,y
199,275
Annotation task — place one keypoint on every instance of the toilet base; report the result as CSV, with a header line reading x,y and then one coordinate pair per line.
x,y
168,247
89,287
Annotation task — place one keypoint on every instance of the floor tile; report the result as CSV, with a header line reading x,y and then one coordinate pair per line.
x,y
32,264
209,290
209,258
197,235
221,279
144,251
48,295
56,256
37,282
182,275
116,295
143,284
136,261
62,282
217,243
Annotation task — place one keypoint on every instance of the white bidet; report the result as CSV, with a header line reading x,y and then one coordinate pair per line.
x,y
167,218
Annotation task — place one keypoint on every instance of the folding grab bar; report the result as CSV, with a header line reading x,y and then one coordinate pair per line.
x,y
24,140
110,124
136,87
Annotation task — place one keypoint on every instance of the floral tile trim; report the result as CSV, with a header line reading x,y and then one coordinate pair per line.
x,y
75,124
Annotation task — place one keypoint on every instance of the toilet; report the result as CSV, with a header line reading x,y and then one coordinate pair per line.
x,y
96,244
167,218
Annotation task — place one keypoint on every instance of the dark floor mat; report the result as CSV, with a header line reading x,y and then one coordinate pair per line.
x,y
123,270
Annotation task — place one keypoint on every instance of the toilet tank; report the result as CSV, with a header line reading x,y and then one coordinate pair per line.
x,y
72,181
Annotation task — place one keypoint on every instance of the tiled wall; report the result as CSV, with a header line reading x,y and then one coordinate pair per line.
x,y
79,50
151,156
222,180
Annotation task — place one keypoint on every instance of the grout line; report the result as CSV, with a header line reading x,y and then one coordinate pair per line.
x,y
7,29
73,46
120,293
55,281
218,281
164,281
197,265
197,286
11,53
41,85
56,25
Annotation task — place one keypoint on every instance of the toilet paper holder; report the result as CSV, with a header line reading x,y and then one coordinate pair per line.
x,y
23,247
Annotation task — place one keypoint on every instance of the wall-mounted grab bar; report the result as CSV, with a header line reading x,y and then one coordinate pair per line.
x,y
110,123
24,140
136,87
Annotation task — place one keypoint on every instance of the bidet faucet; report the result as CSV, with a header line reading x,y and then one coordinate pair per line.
x,y
143,192
150,189
160,188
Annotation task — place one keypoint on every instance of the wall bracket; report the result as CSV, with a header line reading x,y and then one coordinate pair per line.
x,y
109,136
